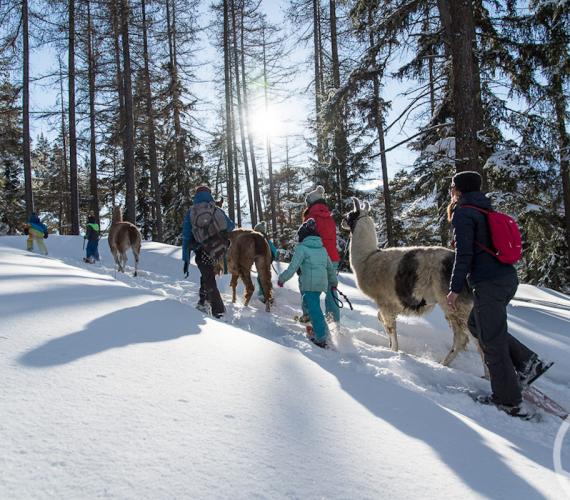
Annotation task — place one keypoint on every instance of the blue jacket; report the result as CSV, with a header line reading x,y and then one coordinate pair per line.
x,y
471,261
188,241
317,271
37,225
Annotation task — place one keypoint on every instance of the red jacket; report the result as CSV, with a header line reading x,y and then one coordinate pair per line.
x,y
326,227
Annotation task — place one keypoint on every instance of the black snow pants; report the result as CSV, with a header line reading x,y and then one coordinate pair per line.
x,y
208,287
504,355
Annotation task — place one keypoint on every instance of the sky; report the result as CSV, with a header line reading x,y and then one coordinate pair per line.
x,y
287,119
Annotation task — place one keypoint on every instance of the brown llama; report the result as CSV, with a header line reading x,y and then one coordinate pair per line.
x,y
246,248
122,236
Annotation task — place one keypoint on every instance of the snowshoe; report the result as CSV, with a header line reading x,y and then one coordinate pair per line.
x,y
523,410
203,307
534,369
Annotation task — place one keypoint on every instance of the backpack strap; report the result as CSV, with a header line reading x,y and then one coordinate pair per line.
x,y
486,212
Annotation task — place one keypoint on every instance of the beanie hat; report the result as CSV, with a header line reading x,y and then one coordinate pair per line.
x,y
466,182
91,219
308,228
316,195
261,227
202,189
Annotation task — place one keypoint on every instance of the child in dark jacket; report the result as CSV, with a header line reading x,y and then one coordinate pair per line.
x,y
512,366
317,276
92,234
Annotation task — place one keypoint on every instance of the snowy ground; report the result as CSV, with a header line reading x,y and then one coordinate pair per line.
x,y
118,387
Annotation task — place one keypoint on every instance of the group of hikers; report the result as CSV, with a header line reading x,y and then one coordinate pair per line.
x,y
511,365
37,232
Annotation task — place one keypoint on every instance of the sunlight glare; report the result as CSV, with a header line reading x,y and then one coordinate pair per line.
x,y
266,122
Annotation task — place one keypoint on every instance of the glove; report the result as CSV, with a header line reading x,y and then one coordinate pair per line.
x,y
280,284
45,235
333,288
185,270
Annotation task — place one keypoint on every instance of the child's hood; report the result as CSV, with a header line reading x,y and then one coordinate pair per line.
x,y
313,242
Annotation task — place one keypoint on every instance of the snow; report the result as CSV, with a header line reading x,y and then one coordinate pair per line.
x,y
118,387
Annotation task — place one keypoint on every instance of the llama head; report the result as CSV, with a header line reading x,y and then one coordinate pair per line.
x,y
117,214
358,211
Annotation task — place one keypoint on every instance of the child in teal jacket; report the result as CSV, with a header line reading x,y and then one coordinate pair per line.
x,y
317,276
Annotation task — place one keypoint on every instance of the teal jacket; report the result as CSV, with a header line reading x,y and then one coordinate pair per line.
x,y
317,271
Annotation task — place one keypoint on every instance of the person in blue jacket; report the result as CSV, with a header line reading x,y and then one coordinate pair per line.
x,y
209,292
261,227
317,276
37,231
92,234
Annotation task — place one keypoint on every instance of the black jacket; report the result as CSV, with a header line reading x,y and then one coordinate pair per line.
x,y
92,233
471,261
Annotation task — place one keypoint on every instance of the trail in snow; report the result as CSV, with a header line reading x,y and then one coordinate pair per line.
x,y
361,343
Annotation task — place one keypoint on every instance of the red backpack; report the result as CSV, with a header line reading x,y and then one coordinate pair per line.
x,y
505,235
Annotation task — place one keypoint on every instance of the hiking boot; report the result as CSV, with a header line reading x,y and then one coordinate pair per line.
x,y
304,318
203,307
534,368
310,332
319,343
218,315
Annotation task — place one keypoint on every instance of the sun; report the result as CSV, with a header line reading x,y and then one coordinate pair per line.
x,y
266,122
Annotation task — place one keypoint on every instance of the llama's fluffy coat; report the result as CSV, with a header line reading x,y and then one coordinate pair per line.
x,y
407,280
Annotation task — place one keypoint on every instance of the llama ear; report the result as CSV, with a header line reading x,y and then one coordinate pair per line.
x,y
356,204
366,207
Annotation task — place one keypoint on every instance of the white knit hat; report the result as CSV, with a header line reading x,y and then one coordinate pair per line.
x,y
261,227
316,195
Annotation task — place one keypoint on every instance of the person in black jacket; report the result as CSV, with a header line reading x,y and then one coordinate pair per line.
x,y
512,366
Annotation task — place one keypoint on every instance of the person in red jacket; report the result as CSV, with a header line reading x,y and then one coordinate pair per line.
x,y
318,209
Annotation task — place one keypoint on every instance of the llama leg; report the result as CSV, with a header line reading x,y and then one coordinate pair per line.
x,y
460,338
389,322
136,256
249,288
233,284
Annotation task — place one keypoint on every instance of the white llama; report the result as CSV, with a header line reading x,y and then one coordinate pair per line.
x,y
406,280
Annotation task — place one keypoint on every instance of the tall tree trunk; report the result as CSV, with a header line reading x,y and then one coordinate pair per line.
x,y
115,21
318,79
26,111
129,161
228,131
459,29
564,144
180,157
93,145
154,180
74,185
64,178
234,152
379,121
252,213
268,149
256,190
339,159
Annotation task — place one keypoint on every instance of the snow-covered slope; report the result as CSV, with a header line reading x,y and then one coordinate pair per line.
x,y
120,388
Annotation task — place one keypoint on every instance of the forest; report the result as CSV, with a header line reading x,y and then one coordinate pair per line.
x,y
483,85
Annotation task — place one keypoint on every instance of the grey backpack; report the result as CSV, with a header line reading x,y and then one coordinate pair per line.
x,y
208,221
